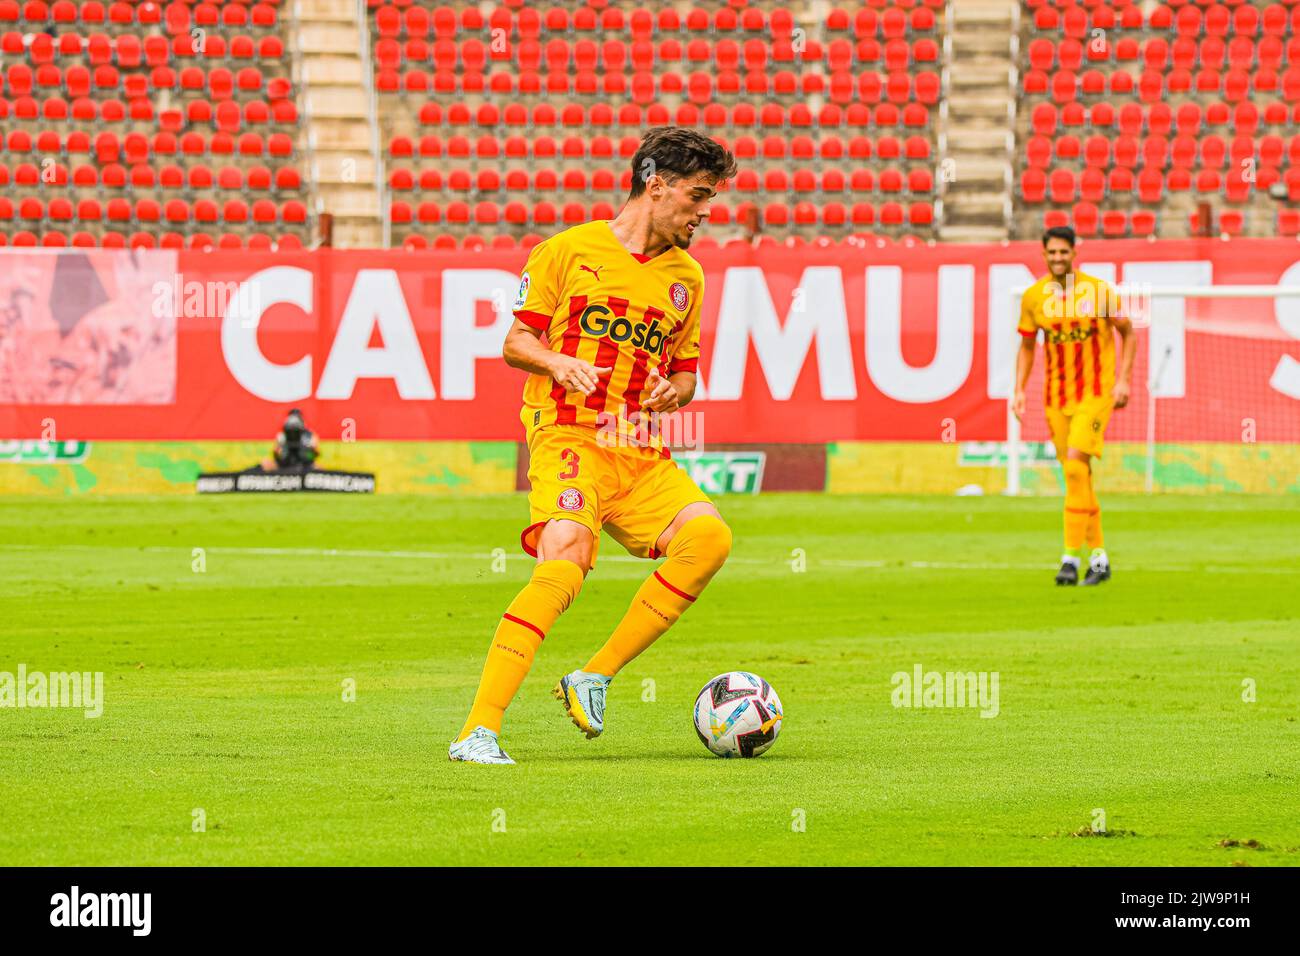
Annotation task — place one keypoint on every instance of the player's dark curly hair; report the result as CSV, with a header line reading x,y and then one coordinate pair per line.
x,y
674,152
1059,232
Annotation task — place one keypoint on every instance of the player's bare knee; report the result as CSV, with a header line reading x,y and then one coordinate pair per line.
x,y
563,540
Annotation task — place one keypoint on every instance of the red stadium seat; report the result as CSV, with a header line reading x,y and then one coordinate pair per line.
x,y
1061,186
1213,152
1068,148
1120,181
1033,185
118,210
1092,185
1231,222
920,214
1237,186
891,214
1085,217
1150,184
1043,119
1143,223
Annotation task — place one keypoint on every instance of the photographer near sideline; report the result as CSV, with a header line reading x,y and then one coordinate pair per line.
x,y
296,448
292,467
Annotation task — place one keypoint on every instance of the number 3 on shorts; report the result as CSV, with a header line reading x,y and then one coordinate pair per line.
x,y
570,457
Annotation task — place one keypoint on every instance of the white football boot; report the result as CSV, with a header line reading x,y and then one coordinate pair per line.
x,y
481,746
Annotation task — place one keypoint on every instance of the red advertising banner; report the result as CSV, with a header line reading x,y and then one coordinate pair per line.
x,y
814,345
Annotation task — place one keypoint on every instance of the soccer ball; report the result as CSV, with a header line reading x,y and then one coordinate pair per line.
x,y
738,714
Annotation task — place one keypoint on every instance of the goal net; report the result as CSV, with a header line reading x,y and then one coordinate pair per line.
x,y
1215,399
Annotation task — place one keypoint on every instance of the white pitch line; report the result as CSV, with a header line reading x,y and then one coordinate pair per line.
x,y
332,553
865,564
418,555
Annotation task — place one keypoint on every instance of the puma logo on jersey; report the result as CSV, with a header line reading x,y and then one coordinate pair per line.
x,y
595,271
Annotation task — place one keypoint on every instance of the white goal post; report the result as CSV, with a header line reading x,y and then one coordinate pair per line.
x,y
1159,311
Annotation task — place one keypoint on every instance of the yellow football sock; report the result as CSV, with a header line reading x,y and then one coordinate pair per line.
x,y
553,587
1077,498
1094,536
695,554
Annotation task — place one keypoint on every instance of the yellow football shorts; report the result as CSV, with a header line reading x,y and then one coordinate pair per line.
x,y
1081,426
634,493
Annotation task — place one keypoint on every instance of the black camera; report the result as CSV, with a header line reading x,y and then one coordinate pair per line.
x,y
295,446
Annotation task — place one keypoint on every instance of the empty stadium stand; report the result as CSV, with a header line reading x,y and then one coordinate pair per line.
x,y
463,125
1167,119
148,125
501,125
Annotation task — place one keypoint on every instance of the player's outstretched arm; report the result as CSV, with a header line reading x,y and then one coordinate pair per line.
x,y
524,349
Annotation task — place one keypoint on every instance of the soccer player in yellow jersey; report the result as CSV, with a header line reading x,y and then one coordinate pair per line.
x,y
607,324
1079,315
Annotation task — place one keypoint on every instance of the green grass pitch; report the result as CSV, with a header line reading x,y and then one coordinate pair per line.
x,y
224,688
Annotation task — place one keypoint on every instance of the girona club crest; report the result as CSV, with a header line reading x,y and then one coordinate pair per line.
x,y
681,298
570,500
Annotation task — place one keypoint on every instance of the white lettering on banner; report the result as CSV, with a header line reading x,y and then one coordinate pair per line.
x,y
748,313
1004,318
265,379
954,348
462,340
1286,375
376,301
1167,334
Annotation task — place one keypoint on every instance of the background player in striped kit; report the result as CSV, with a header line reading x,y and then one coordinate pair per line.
x,y
1079,315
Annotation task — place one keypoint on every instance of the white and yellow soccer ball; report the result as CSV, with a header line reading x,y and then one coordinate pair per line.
x,y
738,714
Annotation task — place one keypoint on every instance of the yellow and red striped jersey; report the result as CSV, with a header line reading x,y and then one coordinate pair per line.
x,y
601,303
1077,339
